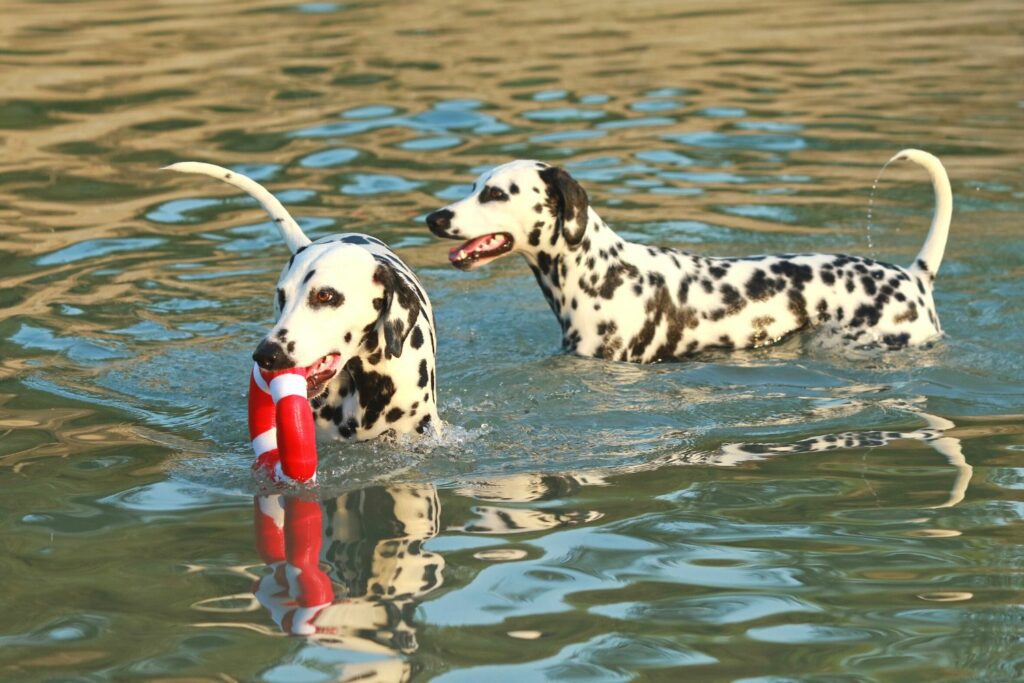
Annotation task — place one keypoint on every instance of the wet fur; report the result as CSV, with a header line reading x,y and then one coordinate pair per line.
x,y
380,322
630,302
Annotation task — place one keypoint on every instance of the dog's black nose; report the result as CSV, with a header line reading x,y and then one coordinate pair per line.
x,y
440,222
269,355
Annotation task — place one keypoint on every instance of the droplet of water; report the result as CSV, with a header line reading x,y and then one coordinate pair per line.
x,y
871,206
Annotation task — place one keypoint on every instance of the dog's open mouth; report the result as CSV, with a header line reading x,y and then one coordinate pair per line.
x,y
320,373
480,250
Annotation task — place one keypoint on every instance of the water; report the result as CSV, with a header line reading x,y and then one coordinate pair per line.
x,y
585,519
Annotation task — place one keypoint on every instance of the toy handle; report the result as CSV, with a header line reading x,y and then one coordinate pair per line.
x,y
281,425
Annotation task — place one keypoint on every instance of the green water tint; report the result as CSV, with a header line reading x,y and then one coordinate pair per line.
x,y
582,519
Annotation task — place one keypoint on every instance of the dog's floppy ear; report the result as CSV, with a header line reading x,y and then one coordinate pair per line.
x,y
400,310
568,201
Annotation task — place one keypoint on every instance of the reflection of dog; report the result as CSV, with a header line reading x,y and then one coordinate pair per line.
x,y
525,488
375,547
355,317
350,571
624,301
934,435
376,569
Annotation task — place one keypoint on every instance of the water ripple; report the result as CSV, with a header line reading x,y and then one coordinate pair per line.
x,y
585,519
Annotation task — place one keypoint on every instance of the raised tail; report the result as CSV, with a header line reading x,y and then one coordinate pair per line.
x,y
930,256
289,229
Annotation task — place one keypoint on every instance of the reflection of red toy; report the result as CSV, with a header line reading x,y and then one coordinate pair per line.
x,y
289,535
281,424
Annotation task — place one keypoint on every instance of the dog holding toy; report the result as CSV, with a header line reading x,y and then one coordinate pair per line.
x,y
351,353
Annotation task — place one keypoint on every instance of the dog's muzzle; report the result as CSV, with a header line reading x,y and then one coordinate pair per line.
x,y
271,356
474,252
440,222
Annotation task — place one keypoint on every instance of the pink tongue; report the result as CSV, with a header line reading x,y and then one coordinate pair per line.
x,y
492,241
324,365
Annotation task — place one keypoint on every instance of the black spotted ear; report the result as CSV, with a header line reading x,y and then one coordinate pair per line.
x,y
400,310
568,201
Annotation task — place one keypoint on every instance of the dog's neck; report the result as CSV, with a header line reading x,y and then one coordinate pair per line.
x,y
587,273
358,394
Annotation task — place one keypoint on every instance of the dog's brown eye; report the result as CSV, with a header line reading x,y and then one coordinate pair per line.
x,y
492,194
326,296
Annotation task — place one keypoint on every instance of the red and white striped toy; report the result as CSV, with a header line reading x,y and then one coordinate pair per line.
x,y
281,425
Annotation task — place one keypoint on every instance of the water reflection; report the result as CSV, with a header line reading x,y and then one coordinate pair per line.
x,y
349,571
288,538
125,308
934,435
504,519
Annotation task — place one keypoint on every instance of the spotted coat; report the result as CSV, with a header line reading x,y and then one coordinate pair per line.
x,y
625,301
355,317
387,382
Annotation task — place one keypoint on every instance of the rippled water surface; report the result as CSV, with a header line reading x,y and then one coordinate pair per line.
x,y
583,519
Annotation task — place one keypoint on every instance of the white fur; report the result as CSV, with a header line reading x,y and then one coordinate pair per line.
x,y
378,333
626,301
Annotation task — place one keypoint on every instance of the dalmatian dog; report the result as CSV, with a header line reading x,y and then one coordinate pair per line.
x,y
630,302
355,317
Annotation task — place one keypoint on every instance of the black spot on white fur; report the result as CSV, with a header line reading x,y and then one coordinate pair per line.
x,y
367,338
383,400
666,304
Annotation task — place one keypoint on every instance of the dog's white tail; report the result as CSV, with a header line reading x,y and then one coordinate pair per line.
x,y
930,256
290,230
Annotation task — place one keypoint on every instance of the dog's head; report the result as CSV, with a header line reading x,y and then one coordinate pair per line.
x,y
336,301
523,206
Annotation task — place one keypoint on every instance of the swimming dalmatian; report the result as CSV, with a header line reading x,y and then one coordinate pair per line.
x,y
355,316
630,302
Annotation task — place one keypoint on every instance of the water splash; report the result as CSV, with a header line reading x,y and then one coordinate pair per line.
x,y
871,207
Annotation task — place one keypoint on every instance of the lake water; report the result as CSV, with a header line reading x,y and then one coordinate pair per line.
x,y
582,520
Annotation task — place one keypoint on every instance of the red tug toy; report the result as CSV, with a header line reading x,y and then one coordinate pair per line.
x,y
281,425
